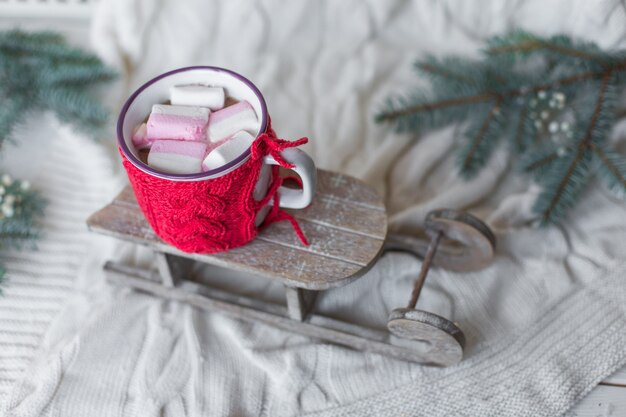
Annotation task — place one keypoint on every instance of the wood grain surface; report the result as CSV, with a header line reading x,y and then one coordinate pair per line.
x,y
346,225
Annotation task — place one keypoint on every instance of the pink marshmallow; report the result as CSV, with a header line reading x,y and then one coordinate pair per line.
x,y
177,156
177,122
232,119
140,137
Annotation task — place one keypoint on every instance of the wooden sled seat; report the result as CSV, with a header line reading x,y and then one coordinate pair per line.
x,y
346,226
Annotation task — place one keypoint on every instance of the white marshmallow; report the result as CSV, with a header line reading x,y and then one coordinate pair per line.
x,y
228,151
177,156
197,95
183,111
230,120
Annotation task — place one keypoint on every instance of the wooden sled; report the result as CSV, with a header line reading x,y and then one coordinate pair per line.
x,y
347,227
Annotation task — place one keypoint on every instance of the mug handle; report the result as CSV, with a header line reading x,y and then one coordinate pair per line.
x,y
305,168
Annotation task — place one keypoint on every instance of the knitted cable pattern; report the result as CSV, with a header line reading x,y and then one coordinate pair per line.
x,y
209,216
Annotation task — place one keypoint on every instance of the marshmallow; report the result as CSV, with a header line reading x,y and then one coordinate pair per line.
x,y
230,120
177,156
197,95
140,137
228,151
177,122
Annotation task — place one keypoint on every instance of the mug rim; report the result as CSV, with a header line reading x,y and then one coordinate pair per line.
x,y
186,177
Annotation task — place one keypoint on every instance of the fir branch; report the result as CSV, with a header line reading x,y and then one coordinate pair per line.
x,y
71,105
39,71
542,162
530,78
539,160
518,138
452,73
563,186
533,44
480,98
11,114
442,70
44,45
20,210
17,239
477,140
611,168
17,39
566,191
391,115
595,117
478,150
72,75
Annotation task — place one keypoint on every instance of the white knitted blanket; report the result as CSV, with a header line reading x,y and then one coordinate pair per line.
x,y
544,324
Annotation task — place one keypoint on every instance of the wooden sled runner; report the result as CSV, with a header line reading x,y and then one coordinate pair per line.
x,y
347,227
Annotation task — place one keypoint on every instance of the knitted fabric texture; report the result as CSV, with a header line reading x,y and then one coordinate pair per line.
x,y
209,216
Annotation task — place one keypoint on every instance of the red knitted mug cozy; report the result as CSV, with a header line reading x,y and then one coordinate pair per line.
x,y
209,216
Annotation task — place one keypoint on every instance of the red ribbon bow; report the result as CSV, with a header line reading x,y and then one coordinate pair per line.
x,y
269,144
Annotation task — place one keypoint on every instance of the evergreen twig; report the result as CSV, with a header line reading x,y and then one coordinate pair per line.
x,y
520,75
584,145
390,116
39,71
537,44
541,162
21,208
444,72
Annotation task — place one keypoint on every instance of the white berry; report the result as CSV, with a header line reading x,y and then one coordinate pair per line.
x,y
553,127
7,211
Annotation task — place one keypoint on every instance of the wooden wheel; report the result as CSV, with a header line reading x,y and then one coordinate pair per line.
x,y
468,244
443,339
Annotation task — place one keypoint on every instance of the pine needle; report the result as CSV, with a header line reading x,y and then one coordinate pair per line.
x,y
482,137
562,187
539,160
611,168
